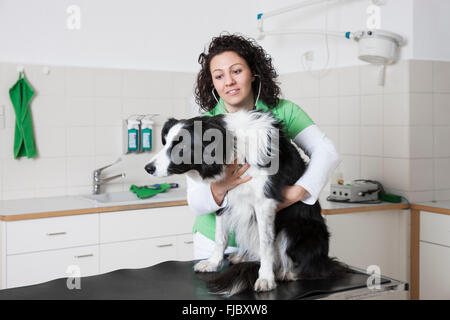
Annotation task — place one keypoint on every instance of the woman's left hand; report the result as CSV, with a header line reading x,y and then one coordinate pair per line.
x,y
291,195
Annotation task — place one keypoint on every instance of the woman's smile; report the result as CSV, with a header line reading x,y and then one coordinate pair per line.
x,y
233,92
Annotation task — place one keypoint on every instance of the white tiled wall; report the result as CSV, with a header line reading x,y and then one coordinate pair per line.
x,y
430,129
77,116
397,134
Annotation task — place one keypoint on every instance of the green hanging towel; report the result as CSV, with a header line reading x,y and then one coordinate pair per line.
x,y
21,94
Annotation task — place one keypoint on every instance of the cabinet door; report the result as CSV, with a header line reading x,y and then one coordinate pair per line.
x,y
145,223
185,247
372,238
137,253
434,275
37,267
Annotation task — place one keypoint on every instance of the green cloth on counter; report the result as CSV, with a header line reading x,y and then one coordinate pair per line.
x,y
148,191
21,94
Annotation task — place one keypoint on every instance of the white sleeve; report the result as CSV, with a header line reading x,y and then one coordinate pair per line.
x,y
324,159
199,197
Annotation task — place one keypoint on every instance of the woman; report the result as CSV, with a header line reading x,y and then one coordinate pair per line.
x,y
237,74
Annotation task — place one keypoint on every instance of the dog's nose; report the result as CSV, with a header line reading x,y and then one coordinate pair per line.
x,y
150,168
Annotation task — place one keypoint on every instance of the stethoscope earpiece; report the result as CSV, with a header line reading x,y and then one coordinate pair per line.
x,y
259,89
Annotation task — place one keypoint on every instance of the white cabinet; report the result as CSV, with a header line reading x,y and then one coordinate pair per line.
x,y
37,267
145,252
51,233
145,223
42,249
434,275
434,256
141,238
375,238
435,228
185,247
378,238
137,253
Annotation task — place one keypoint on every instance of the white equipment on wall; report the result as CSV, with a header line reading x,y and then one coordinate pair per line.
x,y
376,46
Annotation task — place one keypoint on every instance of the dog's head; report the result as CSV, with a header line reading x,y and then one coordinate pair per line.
x,y
194,144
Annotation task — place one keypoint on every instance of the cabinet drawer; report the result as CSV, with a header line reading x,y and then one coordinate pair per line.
x,y
435,227
147,223
185,247
136,254
37,267
51,233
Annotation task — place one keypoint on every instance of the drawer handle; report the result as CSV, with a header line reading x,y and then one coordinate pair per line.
x,y
56,233
84,256
164,245
189,242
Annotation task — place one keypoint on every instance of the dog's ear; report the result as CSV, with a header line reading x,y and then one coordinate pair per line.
x,y
169,124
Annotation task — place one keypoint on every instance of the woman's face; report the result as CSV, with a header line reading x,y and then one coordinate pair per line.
x,y
232,79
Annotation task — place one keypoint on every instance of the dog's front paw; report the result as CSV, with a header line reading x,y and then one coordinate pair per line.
x,y
265,284
207,266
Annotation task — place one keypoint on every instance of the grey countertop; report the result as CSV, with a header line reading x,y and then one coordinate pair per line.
x,y
329,205
436,204
31,206
78,204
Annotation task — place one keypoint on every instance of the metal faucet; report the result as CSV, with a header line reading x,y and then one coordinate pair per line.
x,y
97,181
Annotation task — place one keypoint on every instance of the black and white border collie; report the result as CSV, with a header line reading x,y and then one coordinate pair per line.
x,y
288,245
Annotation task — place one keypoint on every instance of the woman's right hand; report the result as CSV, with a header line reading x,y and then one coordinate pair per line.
x,y
232,178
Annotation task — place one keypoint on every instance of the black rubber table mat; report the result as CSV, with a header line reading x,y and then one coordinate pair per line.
x,y
173,280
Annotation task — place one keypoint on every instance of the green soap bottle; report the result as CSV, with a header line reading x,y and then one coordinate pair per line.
x,y
146,134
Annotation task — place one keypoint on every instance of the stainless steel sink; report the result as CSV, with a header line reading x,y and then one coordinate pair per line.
x,y
123,196
128,197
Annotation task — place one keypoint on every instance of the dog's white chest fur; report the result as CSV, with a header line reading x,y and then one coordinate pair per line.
x,y
240,214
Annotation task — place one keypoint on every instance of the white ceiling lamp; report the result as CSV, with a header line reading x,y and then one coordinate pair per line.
x,y
379,47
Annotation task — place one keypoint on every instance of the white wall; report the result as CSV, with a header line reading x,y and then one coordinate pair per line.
x,y
133,34
169,35
431,30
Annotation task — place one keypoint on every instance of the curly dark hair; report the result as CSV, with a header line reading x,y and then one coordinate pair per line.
x,y
258,60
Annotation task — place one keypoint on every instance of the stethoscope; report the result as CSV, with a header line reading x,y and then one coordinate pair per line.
x,y
257,97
